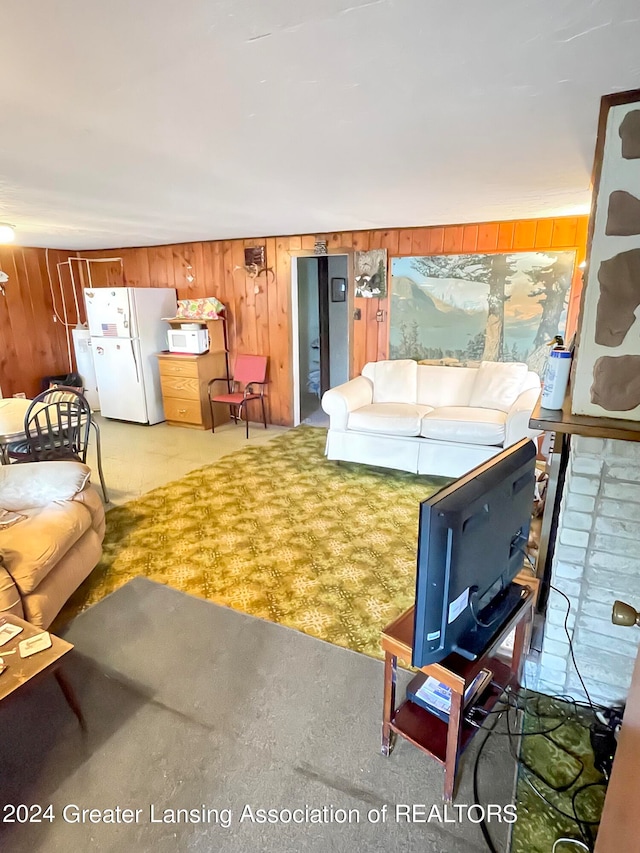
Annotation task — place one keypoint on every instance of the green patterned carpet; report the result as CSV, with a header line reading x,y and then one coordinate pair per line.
x,y
561,759
278,532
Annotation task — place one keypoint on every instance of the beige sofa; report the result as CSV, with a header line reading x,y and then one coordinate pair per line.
x,y
49,552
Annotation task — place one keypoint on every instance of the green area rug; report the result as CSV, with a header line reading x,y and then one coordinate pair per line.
x,y
554,761
278,532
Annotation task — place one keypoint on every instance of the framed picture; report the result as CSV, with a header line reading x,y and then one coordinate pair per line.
x,y
371,273
338,289
461,310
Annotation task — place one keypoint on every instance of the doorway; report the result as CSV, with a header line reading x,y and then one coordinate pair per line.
x,y
321,333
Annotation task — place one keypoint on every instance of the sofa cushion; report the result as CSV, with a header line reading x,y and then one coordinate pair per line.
x,y
393,381
497,385
389,418
445,386
47,600
32,547
465,424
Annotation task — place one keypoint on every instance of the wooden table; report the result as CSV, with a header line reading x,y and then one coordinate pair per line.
x,y
12,412
447,741
22,671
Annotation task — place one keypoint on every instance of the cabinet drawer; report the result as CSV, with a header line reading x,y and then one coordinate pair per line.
x,y
187,411
173,367
186,387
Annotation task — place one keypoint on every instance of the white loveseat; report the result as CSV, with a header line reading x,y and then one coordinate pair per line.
x,y
430,419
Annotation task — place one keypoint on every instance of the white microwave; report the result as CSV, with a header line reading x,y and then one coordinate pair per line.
x,y
188,340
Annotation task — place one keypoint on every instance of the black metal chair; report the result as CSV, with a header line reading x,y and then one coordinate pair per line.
x,y
56,426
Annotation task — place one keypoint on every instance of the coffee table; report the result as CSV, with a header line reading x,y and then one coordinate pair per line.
x,y
12,412
22,671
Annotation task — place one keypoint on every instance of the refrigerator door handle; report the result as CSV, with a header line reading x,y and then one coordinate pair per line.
x,y
135,360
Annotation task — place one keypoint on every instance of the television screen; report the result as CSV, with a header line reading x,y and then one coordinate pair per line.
x,y
471,543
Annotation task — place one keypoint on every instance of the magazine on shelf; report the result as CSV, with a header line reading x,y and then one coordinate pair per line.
x,y
435,696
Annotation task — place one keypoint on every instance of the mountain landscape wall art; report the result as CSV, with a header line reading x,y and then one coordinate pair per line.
x,y
463,309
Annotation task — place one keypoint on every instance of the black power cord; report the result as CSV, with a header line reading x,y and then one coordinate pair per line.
x,y
515,701
584,826
566,630
483,826
476,617
570,639
492,731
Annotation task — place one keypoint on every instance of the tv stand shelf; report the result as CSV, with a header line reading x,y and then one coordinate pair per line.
x,y
429,733
446,741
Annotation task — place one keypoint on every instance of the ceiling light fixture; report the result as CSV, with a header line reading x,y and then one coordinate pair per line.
x,y
7,232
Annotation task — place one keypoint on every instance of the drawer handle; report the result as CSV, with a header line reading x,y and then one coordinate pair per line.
x,y
182,411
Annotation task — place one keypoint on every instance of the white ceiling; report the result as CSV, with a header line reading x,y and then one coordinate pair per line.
x,y
134,123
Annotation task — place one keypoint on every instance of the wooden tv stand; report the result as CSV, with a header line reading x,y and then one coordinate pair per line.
x,y
446,741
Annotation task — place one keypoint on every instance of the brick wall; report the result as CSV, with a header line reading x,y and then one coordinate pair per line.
x,y
596,560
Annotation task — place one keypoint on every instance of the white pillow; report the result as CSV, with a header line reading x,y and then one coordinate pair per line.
x,y
395,381
498,385
35,484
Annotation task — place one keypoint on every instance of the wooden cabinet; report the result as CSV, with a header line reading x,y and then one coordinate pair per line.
x,y
184,380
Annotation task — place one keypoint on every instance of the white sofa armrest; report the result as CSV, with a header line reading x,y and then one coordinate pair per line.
x,y
339,401
35,484
518,416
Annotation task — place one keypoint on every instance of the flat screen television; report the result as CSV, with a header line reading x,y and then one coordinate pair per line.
x,y
471,543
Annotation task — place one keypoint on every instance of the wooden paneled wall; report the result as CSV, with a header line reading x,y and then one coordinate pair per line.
x,y
371,338
259,309
32,343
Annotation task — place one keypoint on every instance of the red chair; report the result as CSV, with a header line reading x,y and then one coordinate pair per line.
x,y
250,371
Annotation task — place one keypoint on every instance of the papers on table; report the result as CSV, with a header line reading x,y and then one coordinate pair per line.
x,y
8,632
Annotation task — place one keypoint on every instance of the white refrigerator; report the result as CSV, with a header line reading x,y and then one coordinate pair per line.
x,y
126,333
